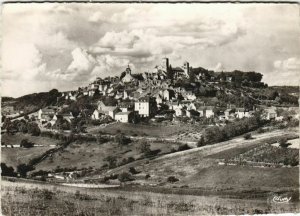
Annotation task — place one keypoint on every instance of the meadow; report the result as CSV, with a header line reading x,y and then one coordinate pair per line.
x,y
28,198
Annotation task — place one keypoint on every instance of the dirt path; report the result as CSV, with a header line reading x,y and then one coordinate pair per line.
x,y
222,146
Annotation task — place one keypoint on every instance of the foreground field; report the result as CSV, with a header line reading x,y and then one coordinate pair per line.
x,y
199,167
28,198
160,130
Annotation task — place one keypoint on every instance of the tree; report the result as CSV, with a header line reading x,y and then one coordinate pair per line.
x,y
201,142
122,140
125,176
283,143
26,144
172,179
112,161
22,169
247,136
145,147
123,74
22,126
192,76
133,171
7,171
183,147
33,129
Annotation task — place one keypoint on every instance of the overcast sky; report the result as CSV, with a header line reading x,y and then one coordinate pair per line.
x,y
65,46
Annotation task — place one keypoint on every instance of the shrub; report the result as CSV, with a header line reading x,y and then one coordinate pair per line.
x,y
125,176
34,129
112,161
247,136
101,140
201,142
40,173
183,147
96,122
130,159
133,171
7,171
147,176
122,140
260,130
145,147
46,194
283,142
172,179
26,144
22,169
291,161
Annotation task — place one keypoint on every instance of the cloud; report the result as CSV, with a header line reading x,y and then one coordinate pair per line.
x,y
82,61
68,44
218,68
19,66
108,65
97,16
288,65
283,71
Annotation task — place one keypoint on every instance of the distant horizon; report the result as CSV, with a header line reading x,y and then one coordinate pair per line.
x,y
47,46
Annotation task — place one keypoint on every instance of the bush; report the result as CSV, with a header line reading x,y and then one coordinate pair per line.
x,y
101,140
247,136
112,161
260,130
130,159
122,140
22,169
33,129
125,176
201,142
26,144
183,147
172,179
133,171
47,194
145,147
40,173
283,142
96,122
293,161
7,171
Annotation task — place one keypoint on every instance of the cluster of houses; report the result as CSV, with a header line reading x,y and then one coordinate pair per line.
x,y
144,95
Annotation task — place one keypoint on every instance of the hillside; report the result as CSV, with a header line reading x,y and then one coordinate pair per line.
x,y
32,102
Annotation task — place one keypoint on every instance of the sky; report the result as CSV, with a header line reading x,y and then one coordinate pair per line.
x,y
67,45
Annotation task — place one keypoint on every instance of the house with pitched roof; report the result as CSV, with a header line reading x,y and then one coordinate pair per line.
x,y
46,114
146,106
206,111
124,117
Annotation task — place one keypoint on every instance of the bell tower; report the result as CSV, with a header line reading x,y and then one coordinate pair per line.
x,y
165,63
128,70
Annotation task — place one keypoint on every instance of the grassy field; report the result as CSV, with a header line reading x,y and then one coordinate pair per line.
x,y
15,156
18,137
43,199
161,130
199,168
91,154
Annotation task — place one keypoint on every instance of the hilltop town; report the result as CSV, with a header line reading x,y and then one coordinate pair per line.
x,y
159,129
179,93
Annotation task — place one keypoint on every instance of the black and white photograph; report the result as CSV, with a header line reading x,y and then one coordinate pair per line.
x,y
149,108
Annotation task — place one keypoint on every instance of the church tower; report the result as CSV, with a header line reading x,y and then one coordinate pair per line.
x,y
165,64
186,68
128,70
